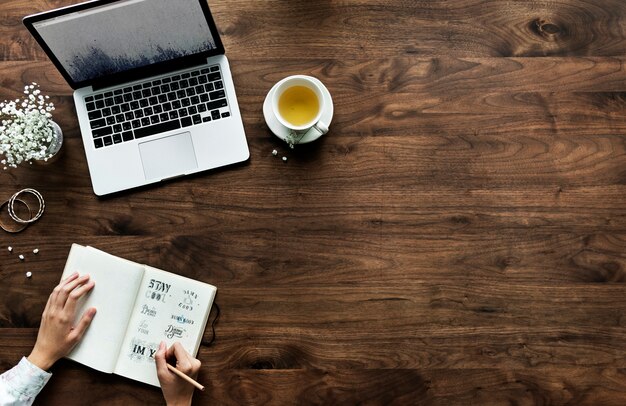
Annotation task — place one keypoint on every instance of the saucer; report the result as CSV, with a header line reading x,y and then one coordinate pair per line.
x,y
281,131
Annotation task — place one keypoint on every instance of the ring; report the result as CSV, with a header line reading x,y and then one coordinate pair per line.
x,y
39,197
24,225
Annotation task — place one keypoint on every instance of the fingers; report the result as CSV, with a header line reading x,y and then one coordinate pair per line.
x,y
161,362
66,287
84,322
76,294
184,361
57,289
70,278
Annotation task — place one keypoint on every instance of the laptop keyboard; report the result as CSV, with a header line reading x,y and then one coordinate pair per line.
x,y
156,106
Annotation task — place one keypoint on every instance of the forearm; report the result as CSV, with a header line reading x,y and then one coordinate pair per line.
x,y
20,385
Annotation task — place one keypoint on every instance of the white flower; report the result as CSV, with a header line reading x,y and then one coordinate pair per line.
x,y
26,130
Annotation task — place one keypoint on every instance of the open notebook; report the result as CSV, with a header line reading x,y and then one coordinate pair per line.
x,y
138,307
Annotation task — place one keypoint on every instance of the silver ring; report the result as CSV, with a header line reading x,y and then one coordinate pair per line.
x,y
3,226
33,192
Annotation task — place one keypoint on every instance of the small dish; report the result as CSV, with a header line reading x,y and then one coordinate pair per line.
x,y
281,131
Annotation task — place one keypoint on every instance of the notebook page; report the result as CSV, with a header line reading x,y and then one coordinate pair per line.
x,y
169,308
117,282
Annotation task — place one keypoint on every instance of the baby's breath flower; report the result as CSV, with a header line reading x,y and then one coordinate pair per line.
x,y
26,130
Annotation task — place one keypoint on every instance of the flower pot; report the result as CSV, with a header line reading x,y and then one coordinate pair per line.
x,y
57,141
54,148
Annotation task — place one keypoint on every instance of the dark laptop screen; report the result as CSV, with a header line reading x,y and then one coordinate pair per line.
x,y
124,35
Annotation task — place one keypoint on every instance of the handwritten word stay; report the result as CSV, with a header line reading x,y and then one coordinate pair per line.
x,y
159,286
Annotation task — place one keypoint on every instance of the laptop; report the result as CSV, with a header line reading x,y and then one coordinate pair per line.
x,y
153,90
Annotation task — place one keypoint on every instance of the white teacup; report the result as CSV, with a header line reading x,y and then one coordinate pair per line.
x,y
285,112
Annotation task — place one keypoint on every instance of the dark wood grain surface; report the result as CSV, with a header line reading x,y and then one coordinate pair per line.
x,y
458,238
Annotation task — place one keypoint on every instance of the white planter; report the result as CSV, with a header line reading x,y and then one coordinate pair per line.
x,y
57,141
54,148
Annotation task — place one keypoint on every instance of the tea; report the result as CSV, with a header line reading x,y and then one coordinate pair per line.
x,y
298,105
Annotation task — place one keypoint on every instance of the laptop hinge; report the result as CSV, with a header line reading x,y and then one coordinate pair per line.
x,y
142,73
120,80
104,84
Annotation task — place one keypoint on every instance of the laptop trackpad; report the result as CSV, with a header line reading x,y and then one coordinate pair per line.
x,y
168,156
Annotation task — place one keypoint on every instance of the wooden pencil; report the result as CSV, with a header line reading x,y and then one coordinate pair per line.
x,y
185,377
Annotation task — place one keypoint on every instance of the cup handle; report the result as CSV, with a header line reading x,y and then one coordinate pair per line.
x,y
320,127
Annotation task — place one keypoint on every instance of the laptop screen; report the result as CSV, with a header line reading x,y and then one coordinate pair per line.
x,y
112,38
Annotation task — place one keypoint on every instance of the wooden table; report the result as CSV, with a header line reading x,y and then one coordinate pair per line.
x,y
459,237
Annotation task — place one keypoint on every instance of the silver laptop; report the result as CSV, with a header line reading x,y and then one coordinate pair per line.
x,y
153,90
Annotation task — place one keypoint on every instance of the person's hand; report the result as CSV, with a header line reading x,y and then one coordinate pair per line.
x,y
176,391
57,333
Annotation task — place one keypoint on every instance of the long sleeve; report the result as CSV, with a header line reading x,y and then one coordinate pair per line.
x,y
21,384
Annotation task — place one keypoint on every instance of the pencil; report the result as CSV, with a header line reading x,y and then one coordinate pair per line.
x,y
185,377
